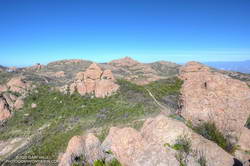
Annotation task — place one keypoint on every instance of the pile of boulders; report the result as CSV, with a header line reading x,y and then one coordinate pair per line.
x,y
94,81
153,145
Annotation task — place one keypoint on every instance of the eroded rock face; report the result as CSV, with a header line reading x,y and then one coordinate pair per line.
x,y
9,103
131,149
147,147
94,81
5,112
87,146
17,84
211,96
153,145
3,88
162,130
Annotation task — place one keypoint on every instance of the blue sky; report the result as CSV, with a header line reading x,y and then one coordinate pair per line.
x,y
33,31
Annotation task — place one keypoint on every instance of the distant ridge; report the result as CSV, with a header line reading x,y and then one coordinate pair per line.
x,y
237,66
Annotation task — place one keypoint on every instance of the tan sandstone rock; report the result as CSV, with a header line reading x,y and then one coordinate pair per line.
x,y
19,103
4,109
211,96
17,84
75,148
162,130
93,72
3,88
127,61
105,88
243,152
87,146
94,81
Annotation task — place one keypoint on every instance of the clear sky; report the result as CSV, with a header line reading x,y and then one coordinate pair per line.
x,y
33,31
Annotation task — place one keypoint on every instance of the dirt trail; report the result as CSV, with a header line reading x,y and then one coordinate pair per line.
x,y
164,109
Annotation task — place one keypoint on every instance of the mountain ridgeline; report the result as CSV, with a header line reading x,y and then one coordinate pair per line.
x,y
124,113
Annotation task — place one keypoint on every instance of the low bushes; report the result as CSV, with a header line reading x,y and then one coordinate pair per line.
x,y
210,132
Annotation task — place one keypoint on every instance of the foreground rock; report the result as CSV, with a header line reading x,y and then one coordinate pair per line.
x,y
12,95
211,96
94,81
87,146
162,130
154,145
5,112
17,84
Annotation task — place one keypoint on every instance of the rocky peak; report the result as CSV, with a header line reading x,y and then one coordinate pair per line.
x,y
194,67
93,72
126,61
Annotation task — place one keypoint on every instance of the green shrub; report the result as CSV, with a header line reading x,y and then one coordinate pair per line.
x,y
165,87
183,144
210,132
111,163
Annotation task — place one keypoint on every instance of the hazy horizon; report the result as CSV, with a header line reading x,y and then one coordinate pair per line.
x,y
43,31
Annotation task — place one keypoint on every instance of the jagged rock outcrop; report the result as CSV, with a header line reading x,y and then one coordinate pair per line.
x,y
211,96
148,147
87,146
17,84
94,81
8,103
5,112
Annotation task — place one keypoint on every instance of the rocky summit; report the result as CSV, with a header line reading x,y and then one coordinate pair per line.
x,y
124,113
94,81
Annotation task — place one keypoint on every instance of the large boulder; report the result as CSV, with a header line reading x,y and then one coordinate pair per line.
x,y
210,96
163,130
243,152
131,149
87,146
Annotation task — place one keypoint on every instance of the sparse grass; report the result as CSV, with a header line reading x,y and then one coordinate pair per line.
x,y
210,132
183,148
248,123
201,158
183,144
202,161
111,163
165,87
58,117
